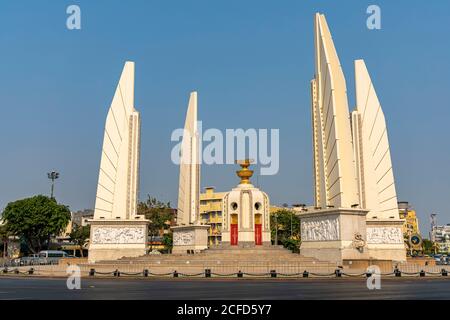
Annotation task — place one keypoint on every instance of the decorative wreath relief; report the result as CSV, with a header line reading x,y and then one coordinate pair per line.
x,y
358,242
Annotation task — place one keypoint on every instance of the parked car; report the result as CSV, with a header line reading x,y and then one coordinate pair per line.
x,y
29,260
446,260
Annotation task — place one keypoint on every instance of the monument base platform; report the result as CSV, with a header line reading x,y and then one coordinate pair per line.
x,y
385,266
342,235
221,259
334,235
190,239
116,239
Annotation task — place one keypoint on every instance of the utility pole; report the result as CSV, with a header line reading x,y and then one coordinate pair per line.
x,y
292,213
433,221
276,228
53,176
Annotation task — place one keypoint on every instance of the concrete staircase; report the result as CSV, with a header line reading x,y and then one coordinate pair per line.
x,y
225,260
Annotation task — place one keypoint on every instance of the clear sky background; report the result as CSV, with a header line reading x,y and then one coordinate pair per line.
x,y
251,62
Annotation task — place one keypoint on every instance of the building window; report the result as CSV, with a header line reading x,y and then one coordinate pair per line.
x,y
234,206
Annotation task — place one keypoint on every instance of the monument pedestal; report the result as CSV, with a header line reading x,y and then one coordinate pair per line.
x,y
385,239
334,234
192,238
115,239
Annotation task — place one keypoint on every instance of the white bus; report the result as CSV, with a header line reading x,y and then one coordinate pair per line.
x,y
51,256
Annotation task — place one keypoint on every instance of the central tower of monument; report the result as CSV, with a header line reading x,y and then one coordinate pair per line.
x,y
246,220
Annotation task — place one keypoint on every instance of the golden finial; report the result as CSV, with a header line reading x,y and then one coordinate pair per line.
x,y
245,173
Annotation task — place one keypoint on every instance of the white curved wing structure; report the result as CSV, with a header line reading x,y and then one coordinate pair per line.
x,y
352,162
189,183
118,179
374,167
335,181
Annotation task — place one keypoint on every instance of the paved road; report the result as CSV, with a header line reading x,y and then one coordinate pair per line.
x,y
179,289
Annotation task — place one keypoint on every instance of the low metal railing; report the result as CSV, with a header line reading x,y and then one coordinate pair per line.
x,y
207,273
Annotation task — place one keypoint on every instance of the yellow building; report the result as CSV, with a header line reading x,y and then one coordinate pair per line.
x,y
411,224
211,213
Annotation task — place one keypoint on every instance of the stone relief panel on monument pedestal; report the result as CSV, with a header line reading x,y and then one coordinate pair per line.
x,y
183,238
320,229
379,235
110,235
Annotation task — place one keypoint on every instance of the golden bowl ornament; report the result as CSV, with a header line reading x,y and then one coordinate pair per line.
x,y
245,173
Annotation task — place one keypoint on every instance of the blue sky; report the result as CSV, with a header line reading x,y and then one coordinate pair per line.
x,y
250,61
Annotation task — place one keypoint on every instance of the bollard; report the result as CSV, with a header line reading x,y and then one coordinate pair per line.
x,y
5,270
338,273
240,274
397,272
145,272
444,272
175,274
117,273
422,273
31,271
305,274
91,272
207,273
273,273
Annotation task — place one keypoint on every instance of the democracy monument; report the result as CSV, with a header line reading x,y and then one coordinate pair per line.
x,y
355,215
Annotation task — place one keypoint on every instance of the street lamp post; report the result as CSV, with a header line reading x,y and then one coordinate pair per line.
x,y
53,176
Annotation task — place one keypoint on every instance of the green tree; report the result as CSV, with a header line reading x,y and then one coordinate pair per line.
x,y
428,247
4,237
286,224
292,244
159,213
168,241
35,220
80,236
